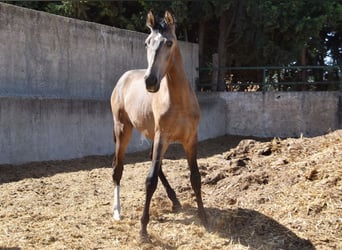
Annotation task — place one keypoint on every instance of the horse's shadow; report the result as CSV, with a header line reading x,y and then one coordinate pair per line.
x,y
250,228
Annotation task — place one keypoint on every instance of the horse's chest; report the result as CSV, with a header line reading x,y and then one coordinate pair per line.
x,y
178,124
144,122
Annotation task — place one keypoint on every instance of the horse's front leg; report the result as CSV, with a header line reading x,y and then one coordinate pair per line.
x,y
159,149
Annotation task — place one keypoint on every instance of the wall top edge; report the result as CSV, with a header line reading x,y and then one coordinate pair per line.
x,y
92,25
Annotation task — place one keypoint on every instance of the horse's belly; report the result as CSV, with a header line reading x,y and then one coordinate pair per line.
x,y
145,127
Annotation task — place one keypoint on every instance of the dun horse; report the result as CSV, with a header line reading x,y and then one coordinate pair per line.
x,y
160,103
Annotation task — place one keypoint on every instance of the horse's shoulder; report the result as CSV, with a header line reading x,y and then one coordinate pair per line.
x,y
130,76
134,73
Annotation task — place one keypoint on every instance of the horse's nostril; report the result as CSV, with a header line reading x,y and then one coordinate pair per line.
x,y
151,81
151,84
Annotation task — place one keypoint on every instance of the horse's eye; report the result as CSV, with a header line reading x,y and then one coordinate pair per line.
x,y
169,43
147,43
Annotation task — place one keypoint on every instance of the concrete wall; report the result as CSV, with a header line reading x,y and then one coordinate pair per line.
x,y
37,129
47,55
56,76
285,114
273,114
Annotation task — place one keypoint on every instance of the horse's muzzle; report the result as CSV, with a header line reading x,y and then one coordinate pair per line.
x,y
151,83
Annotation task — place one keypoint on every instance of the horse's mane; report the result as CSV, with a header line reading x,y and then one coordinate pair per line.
x,y
160,24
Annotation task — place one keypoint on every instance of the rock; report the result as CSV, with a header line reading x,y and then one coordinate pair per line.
x,y
311,174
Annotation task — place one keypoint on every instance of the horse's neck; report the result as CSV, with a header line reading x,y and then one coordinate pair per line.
x,y
177,83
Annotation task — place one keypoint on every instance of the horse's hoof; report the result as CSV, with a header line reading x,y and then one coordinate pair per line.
x,y
204,219
144,238
116,216
176,207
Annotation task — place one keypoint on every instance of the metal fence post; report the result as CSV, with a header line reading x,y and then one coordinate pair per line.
x,y
340,77
263,85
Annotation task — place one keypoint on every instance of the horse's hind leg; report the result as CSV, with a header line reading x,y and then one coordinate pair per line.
x,y
169,190
195,177
122,133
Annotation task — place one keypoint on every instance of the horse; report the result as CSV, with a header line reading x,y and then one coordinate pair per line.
x,y
160,103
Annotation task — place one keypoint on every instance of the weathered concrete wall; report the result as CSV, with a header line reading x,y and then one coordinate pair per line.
x,y
34,129
213,116
273,114
283,114
47,55
38,129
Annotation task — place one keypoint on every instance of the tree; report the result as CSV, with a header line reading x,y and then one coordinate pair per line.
x,y
231,29
242,32
262,33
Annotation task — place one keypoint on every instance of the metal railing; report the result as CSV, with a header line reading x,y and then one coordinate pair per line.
x,y
272,78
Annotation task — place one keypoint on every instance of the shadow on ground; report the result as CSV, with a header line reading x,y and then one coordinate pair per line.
x,y
249,228
11,173
254,229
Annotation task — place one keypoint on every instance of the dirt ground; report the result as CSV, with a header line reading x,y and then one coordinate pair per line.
x,y
258,194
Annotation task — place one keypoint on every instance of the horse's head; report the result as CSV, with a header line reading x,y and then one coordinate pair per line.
x,y
160,45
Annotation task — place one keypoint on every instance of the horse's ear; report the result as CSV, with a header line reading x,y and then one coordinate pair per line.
x,y
169,18
150,22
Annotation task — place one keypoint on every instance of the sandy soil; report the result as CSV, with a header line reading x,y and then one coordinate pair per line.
x,y
258,194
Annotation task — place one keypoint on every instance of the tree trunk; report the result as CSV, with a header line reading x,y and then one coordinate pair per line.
x,y
186,37
214,75
203,74
304,71
226,26
201,36
222,50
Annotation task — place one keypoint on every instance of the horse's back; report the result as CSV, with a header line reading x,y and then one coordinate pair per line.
x,y
125,85
128,78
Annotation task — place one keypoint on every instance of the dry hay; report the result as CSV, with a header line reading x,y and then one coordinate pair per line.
x,y
276,194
